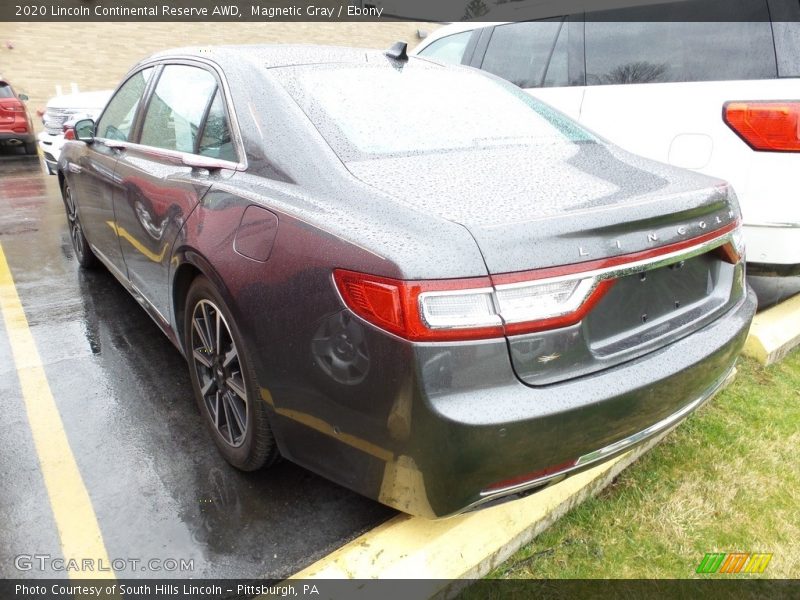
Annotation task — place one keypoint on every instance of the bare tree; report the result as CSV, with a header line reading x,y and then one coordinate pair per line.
x,y
475,9
636,72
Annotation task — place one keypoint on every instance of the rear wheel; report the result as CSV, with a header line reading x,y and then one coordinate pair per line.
x,y
83,253
31,149
224,385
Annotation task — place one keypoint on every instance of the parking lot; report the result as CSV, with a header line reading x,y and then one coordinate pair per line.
x,y
122,400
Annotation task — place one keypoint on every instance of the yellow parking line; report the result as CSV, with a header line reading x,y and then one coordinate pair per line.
x,y
72,508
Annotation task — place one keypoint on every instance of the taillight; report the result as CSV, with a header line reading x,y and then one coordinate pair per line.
x,y
16,107
513,303
449,309
69,132
772,126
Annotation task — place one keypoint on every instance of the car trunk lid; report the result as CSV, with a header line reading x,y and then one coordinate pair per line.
x,y
590,207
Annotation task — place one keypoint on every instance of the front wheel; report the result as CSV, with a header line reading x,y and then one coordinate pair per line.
x,y
224,385
83,253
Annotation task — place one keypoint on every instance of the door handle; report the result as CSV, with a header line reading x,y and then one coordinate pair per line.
x,y
118,146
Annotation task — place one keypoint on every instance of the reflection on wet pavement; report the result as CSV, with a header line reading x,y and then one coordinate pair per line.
x,y
157,484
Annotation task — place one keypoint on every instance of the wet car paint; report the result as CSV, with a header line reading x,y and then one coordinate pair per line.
x,y
357,429
159,489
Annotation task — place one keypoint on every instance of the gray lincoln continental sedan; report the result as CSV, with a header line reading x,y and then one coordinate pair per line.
x,y
411,278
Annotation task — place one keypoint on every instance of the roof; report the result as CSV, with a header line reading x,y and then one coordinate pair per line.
x,y
275,55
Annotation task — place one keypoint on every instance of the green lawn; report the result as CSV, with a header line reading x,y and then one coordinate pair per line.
x,y
727,480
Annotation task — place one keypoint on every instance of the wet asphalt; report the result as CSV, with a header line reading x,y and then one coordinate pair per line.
x,y
157,485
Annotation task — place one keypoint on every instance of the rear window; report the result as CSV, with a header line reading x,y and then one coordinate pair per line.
x,y
6,91
448,49
665,43
365,112
531,54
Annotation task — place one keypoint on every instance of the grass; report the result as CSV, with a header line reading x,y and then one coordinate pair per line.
x,y
727,480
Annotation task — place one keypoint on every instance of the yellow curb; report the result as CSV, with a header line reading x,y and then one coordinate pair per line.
x,y
445,554
775,332
466,546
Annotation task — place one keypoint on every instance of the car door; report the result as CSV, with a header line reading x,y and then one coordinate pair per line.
x,y
183,144
92,176
543,57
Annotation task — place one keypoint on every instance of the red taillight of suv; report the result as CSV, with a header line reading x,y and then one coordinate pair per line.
x,y
14,107
769,126
510,304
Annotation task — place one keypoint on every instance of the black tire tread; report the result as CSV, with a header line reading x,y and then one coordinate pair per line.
x,y
263,451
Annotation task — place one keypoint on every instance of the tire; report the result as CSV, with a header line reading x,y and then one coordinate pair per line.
x,y
231,406
31,149
83,252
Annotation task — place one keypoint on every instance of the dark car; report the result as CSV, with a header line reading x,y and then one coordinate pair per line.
x,y
413,279
16,127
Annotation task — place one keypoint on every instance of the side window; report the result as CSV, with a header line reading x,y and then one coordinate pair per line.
x,y
668,43
215,140
448,49
117,118
530,54
177,107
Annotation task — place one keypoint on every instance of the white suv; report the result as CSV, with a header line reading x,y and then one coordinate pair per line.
x,y
722,98
60,110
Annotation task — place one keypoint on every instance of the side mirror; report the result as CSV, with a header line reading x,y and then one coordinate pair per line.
x,y
84,130
23,97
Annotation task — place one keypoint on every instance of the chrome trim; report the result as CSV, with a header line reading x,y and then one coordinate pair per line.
x,y
619,271
186,159
773,225
236,132
596,275
647,264
618,447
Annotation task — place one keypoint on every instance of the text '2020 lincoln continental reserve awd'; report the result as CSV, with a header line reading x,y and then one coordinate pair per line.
x,y
411,278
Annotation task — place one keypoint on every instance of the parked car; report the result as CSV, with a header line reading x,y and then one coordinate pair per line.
x,y
717,97
410,278
62,110
16,127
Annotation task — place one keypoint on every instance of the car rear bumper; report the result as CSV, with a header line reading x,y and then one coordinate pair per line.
x,y
50,146
773,248
445,436
10,138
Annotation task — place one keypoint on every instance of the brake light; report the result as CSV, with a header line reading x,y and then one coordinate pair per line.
x,y
772,126
13,107
510,304
450,309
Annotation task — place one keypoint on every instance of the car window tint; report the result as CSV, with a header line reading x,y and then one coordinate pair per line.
x,y
176,108
117,118
530,54
664,44
216,139
448,49
6,91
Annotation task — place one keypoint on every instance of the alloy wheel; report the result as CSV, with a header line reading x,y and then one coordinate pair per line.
x,y
75,232
219,373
